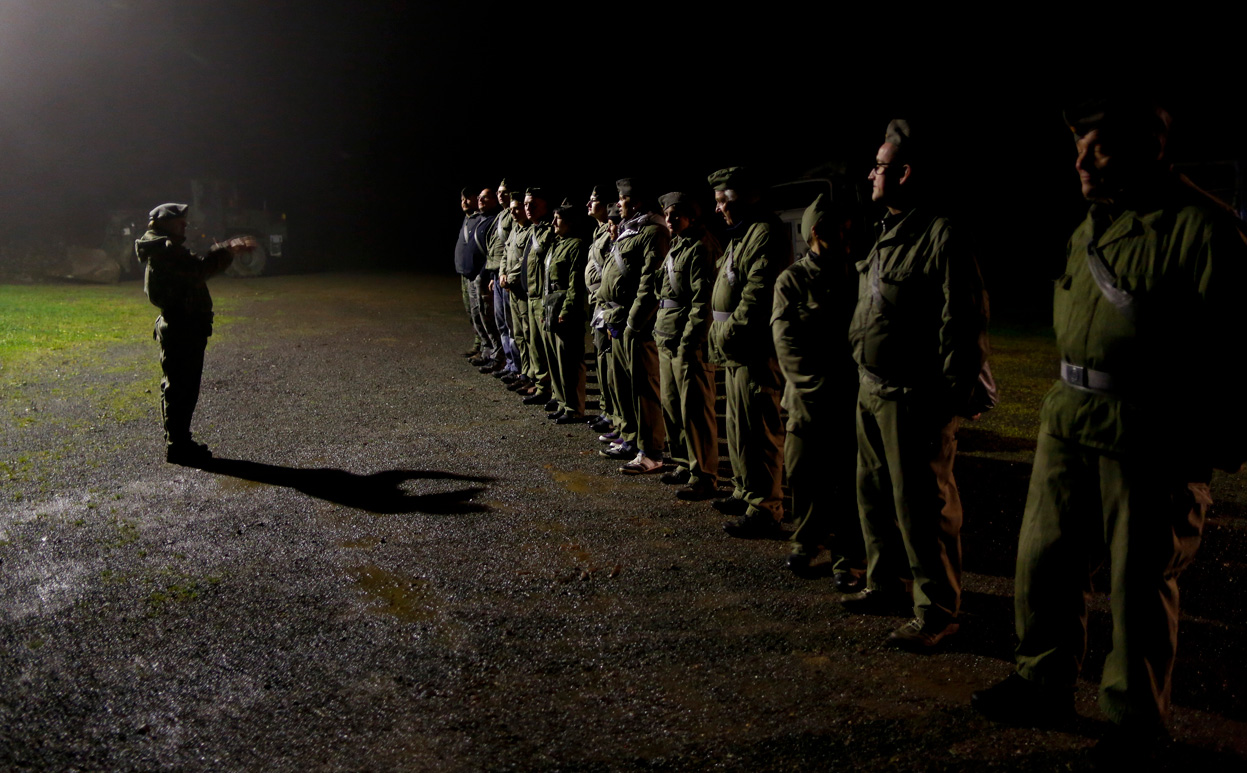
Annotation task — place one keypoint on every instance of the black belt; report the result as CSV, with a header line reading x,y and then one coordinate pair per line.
x,y
1087,378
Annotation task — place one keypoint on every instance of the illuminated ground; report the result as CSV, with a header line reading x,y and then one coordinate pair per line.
x,y
399,567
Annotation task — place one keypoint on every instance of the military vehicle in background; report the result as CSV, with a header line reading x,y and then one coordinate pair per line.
x,y
789,199
215,214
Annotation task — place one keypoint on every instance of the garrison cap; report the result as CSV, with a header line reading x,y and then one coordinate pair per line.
x,y
168,210
537,193
736,178
813,215
567,209
603,193
898,132
629,187
503,184
682,202
1131,113
612,213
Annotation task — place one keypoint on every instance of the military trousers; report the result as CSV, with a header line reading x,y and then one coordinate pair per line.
x,y
642,364
519,332
467,307
1145,517
687,387
182,363
606,394
908,502
502,320
567,364
755,436
820,460
537,344
482,302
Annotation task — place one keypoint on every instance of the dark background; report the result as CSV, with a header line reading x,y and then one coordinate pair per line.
x,y
362,120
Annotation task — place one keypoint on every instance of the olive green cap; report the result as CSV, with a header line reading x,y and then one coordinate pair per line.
x,y
813,215
537,193
168,210
567,209
612,213
603,193
898,132
736,178
682,202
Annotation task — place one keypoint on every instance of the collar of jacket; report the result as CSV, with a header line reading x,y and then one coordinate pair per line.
x,y
633,225
902,225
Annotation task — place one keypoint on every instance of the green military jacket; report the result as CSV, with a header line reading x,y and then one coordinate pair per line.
x,y
638,249
920,325
564,294
513,263
175,280
1174,387
533,257
814,301
740,328
599,253
684,281
496,247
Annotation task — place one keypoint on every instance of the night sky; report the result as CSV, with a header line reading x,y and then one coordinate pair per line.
x,y
363,119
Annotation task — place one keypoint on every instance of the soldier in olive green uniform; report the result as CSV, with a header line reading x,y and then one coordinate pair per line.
x,y
758,249
532,268
628,293
919,339
814,299
516,284
174,280
599,253
1129,436
681,329
564,306
496,248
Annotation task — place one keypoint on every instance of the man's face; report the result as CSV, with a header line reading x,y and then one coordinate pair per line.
x,y
727,205
467,203
174,226
561,227
1095,166
517,211
504,197
597,209
487,200
885,175
535,208
676,223
626,208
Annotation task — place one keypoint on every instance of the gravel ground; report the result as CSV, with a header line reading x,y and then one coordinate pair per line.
x,y
396,566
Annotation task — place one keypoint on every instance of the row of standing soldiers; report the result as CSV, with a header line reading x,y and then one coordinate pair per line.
x,y
870,439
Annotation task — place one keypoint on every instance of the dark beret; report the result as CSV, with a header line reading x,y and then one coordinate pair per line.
x,y
736,178
168,210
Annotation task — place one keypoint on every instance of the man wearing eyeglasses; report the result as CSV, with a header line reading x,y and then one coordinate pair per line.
x,y
1153,280
919,340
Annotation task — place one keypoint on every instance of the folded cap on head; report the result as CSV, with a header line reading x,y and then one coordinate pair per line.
x,y
168,210
813,215
681,203
735,178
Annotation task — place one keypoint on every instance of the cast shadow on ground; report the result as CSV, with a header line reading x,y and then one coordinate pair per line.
x,y
380,492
